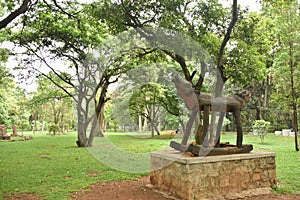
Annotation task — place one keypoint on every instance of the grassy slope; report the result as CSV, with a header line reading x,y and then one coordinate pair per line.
x,y
53,166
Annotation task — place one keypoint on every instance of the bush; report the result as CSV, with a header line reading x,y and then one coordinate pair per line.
x,y
261,127
53,128
23,125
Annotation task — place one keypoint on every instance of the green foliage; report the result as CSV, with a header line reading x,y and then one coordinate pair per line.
x,y
8,5
286,94
51,104
110,120
5,75
62,31
7,100
3,110
23,125
247,59
53,128
63,36
286,56
12,99
172,122
153,94
261,127
120,110
259,48
226,122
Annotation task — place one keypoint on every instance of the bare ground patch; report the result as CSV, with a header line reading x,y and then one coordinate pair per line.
x,y
140,189
23,196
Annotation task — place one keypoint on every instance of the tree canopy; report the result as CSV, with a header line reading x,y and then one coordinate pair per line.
x,y
84,49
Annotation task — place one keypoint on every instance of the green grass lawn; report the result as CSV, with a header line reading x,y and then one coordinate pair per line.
x,y
53,167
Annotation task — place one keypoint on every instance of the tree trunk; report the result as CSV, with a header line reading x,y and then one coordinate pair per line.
x,y
294,96
152,128
43,125
102,122
257,114
157,129
158,124
145,126
34,126
203,130
80,141
140,123
98,122
295,125
266,97
94,130
81,137
221,78
239,139
81,132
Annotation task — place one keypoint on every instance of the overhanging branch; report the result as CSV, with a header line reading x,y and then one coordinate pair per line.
x,y
22,9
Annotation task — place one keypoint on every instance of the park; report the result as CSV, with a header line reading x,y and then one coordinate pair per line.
x,y
49,168
149,99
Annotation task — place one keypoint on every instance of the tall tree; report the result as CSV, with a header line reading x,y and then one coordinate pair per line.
x,y
58,35
6,89
249,62
68,41
286,61
206,22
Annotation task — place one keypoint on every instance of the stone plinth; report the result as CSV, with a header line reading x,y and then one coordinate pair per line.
x,y
15,130
2,130
213,177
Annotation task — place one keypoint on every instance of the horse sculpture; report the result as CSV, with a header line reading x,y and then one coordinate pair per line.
x,y
196,102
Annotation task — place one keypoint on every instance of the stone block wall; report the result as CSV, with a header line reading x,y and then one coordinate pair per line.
x,y
213,177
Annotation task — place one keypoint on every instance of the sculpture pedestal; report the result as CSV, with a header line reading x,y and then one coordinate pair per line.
x,y
213,177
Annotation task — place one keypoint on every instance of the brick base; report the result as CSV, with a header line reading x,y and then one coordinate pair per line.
x,y
213,177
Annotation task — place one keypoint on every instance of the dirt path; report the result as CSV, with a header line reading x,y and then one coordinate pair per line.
x,y
139,189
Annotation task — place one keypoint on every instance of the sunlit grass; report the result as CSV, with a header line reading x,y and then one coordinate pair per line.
x,y
51,167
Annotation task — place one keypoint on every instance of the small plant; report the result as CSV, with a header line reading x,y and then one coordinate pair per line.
x,y
261,127
226,122
54,128
23,125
